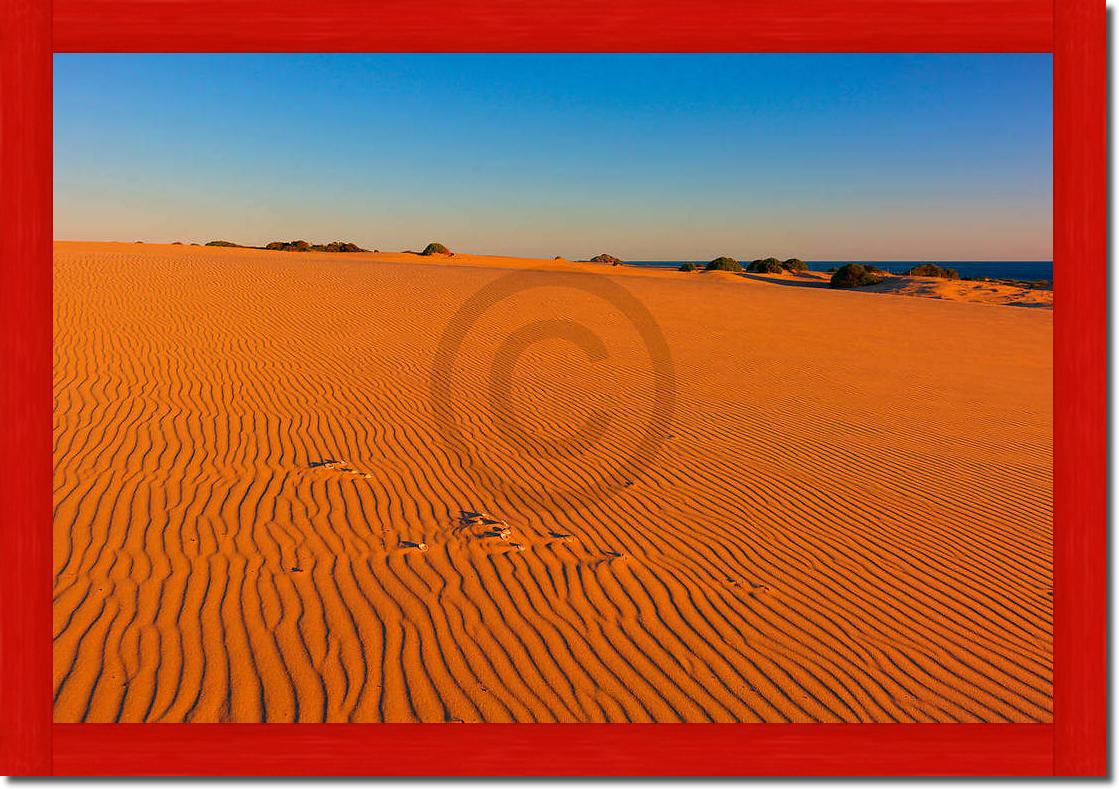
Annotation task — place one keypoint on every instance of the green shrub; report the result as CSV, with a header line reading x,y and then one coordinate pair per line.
x,y
221,244
794,265
436,249
933,270
766,266
608,259
303,246
854,275
338,246
687,267
724,264
289,246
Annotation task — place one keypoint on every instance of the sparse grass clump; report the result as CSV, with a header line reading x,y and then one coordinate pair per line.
x,y
435,248
687,267
724,264
855,275
933,270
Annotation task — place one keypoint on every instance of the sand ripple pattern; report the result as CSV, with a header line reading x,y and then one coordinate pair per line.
x,y
256,517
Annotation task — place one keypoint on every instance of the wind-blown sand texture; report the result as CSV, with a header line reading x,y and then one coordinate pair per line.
x,y
259,515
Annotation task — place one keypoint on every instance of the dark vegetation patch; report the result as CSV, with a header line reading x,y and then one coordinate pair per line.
x,y
724,264
609,260
288,246
303,246
687,267
933,270
340,246
765,266
435,248
856,275
775,266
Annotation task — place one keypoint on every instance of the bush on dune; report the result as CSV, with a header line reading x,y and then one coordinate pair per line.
x,y
854,275
609,260
766,266
337,246
303,246
288,246
435,248
775,266
687,267
933,270
724,264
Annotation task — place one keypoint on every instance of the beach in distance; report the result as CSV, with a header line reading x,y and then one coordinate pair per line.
x,y
393,487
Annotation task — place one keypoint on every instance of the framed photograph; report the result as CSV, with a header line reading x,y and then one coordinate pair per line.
x,y
630,390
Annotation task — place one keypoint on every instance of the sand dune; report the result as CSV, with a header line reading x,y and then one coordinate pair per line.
x,y
971,291
267,508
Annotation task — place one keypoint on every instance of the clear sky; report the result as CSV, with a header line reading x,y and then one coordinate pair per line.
x,y
647,157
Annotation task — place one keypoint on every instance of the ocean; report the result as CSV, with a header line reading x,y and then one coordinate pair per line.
x,y
997,269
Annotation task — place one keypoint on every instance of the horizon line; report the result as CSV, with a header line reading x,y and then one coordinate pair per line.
x,y
895,259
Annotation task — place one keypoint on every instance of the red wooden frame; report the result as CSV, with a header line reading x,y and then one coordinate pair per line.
x,y
1074,744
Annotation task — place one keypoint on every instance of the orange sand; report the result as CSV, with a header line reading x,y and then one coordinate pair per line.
x,y
848,520
929,287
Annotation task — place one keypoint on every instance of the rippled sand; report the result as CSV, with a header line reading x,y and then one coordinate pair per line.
x,y
296,486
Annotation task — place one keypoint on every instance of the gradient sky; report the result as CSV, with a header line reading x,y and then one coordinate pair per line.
x,y
647,157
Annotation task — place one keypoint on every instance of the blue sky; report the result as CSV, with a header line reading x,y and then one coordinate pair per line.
x,y
905,157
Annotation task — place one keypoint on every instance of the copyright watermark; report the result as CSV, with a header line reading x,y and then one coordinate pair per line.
x,y
493,412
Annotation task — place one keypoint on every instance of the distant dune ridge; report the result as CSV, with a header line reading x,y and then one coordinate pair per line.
x,y
258,518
